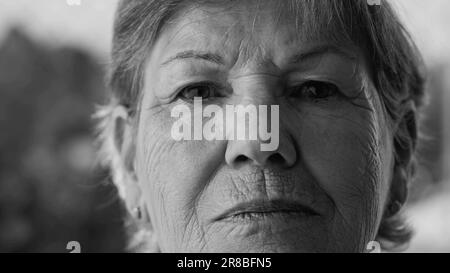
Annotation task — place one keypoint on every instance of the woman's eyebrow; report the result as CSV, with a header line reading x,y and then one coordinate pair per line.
x,y
322,50
192,54
297,58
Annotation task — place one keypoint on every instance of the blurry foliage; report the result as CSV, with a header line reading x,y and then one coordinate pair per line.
x,y
49,193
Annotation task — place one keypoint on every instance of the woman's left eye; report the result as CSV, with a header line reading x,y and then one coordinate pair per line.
x,y
315,90
202,90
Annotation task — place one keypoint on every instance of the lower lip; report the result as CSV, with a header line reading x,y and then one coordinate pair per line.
x,y
269,223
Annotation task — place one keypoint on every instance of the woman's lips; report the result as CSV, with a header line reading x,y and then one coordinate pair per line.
x,y
259,210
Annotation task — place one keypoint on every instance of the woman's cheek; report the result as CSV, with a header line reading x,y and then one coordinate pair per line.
x,y
341,150
174,174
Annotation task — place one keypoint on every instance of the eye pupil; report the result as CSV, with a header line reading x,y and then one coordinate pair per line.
x,y
204,91
200,91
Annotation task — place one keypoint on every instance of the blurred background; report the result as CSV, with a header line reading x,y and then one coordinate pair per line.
x,y
53,55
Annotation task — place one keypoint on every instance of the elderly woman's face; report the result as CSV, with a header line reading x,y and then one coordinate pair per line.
x,y
323,189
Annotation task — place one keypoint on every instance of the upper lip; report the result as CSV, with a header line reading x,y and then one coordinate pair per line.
x,y
265,206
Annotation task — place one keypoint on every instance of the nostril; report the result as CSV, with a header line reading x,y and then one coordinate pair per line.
x,y
241,159
277,159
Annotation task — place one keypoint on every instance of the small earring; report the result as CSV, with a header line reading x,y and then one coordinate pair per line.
x,y
137,213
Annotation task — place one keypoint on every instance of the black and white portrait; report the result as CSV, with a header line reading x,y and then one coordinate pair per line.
x,y
224,126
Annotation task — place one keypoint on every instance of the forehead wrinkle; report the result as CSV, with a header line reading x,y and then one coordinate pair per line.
x,y
237,36
250,46
312,20
255,18
244,46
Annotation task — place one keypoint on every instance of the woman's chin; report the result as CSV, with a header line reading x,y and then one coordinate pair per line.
x,y
269,232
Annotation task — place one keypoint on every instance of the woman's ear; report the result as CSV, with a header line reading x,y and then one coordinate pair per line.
x,y
123,143
117,152
405,140
398,193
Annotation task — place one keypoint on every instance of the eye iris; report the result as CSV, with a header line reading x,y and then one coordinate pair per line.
x,y
203,91
198,91
311,91
318,90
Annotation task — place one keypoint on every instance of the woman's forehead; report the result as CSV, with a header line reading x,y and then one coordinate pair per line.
x,y
250,27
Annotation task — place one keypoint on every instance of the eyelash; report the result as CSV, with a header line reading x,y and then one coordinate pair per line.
x,y
315,91
310,90
213,91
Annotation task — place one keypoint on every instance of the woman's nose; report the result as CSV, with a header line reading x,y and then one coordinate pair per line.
x,y
260,90
241,152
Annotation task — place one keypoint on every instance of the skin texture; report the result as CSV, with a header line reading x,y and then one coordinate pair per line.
x,y
335,154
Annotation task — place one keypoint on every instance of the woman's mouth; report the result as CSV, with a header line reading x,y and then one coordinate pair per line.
x,y
261,210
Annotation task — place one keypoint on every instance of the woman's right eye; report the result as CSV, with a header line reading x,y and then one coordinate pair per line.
x,y
202,90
